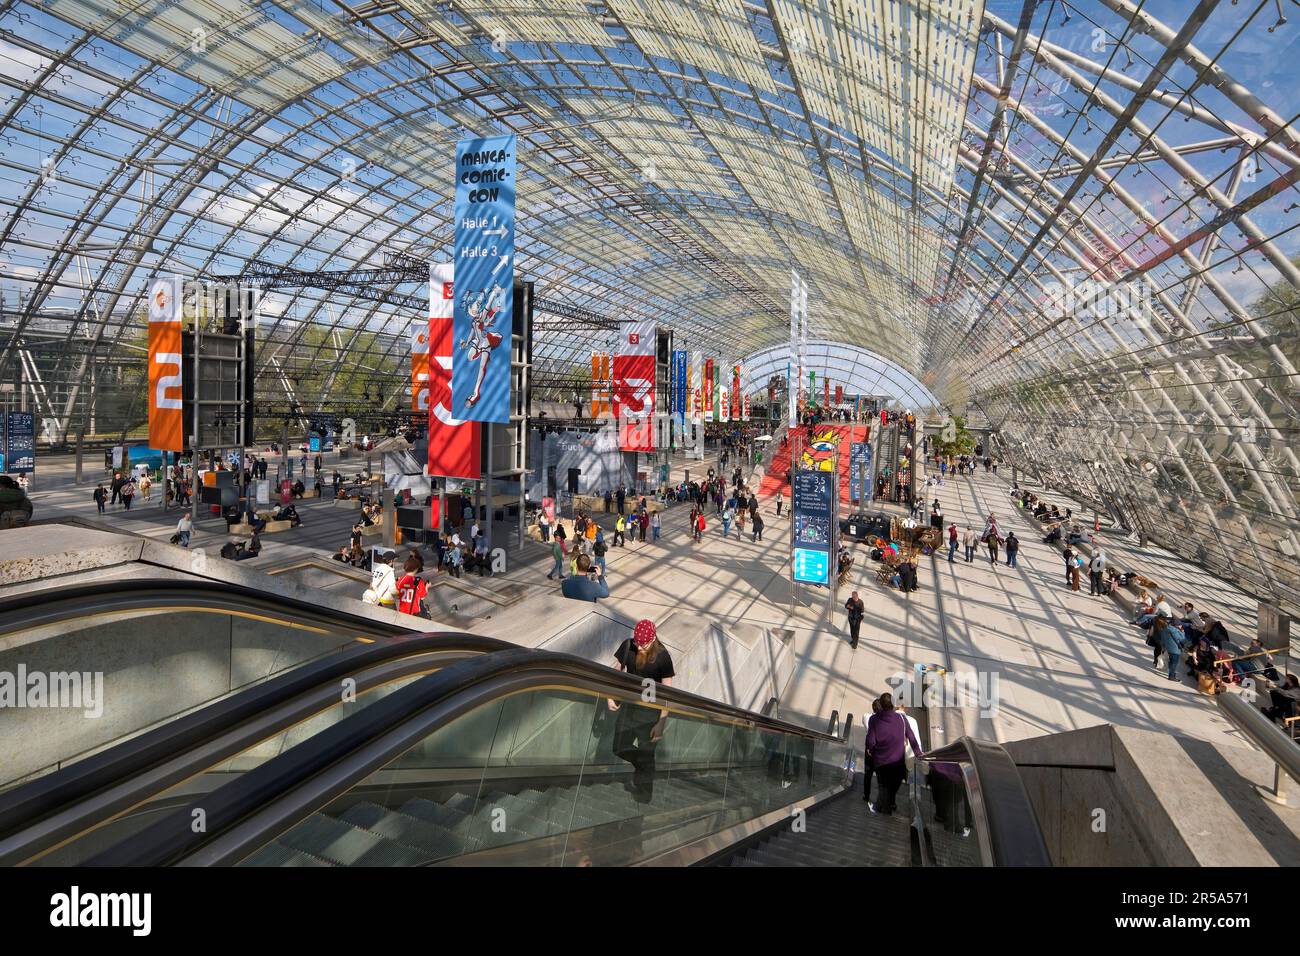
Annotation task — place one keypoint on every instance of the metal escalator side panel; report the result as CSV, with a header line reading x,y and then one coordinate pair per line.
x,y
251,812
54,831
25,804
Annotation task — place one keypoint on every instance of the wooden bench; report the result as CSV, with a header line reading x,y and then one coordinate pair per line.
x,y
273,526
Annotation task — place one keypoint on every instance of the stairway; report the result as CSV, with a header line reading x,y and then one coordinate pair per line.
x,y
841,832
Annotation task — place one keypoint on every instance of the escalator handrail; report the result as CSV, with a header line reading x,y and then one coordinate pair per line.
x,y
38,799
43,607
999,801
261,803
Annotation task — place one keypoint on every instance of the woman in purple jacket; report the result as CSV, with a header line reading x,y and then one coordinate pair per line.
x,y
887,733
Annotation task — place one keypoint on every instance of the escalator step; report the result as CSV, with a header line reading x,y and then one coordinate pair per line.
x,y
435,840
276,854
433,812
345,844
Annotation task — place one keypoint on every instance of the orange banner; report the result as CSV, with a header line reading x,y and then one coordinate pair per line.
x,y
420,367
166,418
600,384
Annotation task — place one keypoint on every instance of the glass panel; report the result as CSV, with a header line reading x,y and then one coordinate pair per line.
x,y
88,844
945,813
139,668
556,777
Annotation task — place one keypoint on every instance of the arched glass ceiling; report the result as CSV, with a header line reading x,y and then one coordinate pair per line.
x,y
934,169
857,370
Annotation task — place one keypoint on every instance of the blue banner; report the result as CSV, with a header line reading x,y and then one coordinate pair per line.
x,y
483,317
679,385
859,466
20,456
814,525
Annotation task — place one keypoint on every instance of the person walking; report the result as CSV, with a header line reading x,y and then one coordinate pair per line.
x,y
856,611
969,541
621,496
756,522
643,523
993,549
620,529
544,526
868,765
598,551
780,500
128,492
1173,641
887,737
100,496
1076,569
655,525
557,553
699,526
1013,548
952,541
726,523
609,501
184,528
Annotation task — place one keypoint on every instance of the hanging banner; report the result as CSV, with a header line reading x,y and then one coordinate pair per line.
x,y
166,419
826,392
600,384
681,384
453,442
793,373
744,413
708,389
812,388
485,272
634,387
724,407
839,394
697,407
735,392
420,367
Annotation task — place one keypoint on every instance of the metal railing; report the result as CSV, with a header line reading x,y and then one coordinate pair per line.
x,y
1268,737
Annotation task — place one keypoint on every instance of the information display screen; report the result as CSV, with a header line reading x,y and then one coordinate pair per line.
x,y
813,499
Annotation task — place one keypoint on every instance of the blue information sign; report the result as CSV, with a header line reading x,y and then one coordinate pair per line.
x,y
813,496
20,456
859,467
483,316
679,384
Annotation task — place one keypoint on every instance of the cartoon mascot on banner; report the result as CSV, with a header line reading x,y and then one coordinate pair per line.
x,y
819,455
483,308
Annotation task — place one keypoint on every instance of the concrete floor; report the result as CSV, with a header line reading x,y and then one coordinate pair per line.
x,y
1061,659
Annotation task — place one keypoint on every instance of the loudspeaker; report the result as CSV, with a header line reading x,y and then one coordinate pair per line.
x,y
573,480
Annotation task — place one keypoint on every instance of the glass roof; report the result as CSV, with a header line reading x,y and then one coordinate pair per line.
x,y
1073,221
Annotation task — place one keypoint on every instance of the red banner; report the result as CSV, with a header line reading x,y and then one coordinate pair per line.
x,y
634,387
839,394
453,444
166,424
708,387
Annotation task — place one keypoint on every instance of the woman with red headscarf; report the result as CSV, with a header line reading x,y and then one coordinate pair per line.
x,y
640,728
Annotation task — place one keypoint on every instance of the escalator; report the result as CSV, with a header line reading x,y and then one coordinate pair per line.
x,y
889,459
524,757
268,673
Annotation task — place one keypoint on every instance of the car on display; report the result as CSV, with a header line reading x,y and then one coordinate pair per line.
x,y
863,526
